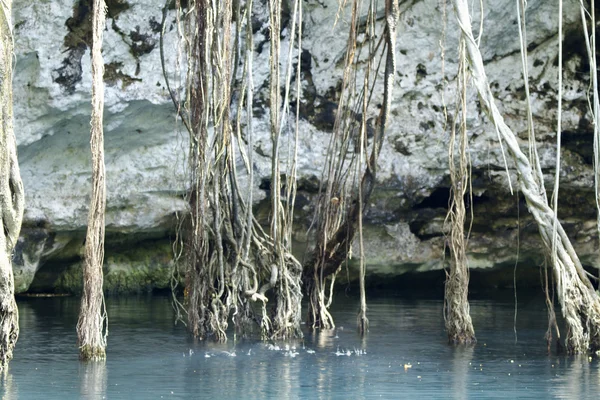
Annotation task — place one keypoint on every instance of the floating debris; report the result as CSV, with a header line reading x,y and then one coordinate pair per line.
x,y
358,352
342,352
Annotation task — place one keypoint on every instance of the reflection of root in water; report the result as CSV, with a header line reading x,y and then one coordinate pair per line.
x,y
93,380
575,384
8,385
325,338
462,357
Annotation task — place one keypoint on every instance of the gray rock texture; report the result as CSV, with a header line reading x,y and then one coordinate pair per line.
x,y
146,146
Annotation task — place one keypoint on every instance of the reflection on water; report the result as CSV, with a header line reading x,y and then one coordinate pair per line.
x,y
93,380
404,355
461,363
10,389
579,379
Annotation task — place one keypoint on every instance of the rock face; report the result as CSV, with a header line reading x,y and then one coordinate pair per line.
x,y
145,145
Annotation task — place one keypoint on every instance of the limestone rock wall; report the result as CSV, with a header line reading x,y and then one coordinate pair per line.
x,y
145,146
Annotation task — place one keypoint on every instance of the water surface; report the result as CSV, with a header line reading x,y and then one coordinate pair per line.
x,y
405,355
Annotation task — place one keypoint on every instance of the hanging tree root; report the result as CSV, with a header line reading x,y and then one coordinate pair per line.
x,y
579,302
319,302
91,326
11,216
11,193
552,324
288,294
231,262
339,209
459,326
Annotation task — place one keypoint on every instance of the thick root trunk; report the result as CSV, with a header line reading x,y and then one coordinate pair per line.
x,y
458,319
91,326
580,304
456,304
11,192
9,329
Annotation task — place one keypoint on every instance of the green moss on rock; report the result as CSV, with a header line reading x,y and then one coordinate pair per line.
x,y
137,279
70,280
141,269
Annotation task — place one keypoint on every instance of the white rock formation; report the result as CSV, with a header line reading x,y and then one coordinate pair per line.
x,y
145,146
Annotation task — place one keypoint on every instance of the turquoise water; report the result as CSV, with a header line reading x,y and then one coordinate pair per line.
x,y
405,355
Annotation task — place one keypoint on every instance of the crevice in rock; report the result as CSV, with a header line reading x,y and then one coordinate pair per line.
x,y
78,39
580,142
439,198
56,276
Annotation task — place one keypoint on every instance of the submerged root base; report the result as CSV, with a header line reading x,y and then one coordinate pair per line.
x,y
362,324
582,314
318,314
9,334
462,339
92,353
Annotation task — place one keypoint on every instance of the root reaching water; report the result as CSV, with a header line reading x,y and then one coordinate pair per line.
x,y
580,304
92,325
11,192
459,326
230,260
348,186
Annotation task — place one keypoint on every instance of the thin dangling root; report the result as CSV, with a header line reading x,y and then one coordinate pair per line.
x,y
345,195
